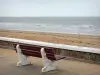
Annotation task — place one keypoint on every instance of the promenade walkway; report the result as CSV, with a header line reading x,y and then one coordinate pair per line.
x,y
8,60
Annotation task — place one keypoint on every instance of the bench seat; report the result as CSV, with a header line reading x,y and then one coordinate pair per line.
x,y
32,50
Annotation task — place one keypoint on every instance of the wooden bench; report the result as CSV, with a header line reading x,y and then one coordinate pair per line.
x,y
46,53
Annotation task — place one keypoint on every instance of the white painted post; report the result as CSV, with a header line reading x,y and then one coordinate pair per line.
x,y
48,64
22,58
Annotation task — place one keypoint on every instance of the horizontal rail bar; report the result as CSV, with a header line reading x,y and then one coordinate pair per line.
x,y
54,45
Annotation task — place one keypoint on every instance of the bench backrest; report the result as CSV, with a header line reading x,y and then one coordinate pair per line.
x,y
31,50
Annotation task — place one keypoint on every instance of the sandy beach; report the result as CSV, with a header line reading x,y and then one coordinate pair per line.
x,y
70,39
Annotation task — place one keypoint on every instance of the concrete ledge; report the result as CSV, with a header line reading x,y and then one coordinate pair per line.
x,y
54,45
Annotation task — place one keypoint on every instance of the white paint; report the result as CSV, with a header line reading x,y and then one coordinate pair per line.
x,y
48,64
54,45
22,58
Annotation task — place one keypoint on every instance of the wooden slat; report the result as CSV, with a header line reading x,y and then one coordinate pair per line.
x,y
31,50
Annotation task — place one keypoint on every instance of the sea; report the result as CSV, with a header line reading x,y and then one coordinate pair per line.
x,y
70,25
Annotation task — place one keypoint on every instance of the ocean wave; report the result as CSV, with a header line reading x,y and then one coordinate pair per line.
x,y
58,28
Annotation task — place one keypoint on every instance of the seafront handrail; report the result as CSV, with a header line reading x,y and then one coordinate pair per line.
x,y
53,45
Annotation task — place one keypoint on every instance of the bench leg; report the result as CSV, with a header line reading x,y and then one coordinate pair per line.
x,y
22,58
48,64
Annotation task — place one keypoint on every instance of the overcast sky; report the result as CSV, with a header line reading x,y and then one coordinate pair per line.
x,y
35,8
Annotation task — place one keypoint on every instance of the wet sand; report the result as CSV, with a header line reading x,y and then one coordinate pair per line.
x,y
8,60
70,39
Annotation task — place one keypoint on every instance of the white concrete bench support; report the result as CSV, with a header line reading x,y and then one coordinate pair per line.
x,y
48,64
22,58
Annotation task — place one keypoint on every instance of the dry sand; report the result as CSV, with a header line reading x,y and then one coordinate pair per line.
x,y
8,60
70,39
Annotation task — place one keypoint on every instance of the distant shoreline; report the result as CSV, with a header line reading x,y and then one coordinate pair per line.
x,y
77,34
70,39
66,25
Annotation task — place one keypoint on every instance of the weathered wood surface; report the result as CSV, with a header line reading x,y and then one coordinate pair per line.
x,y
31,50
